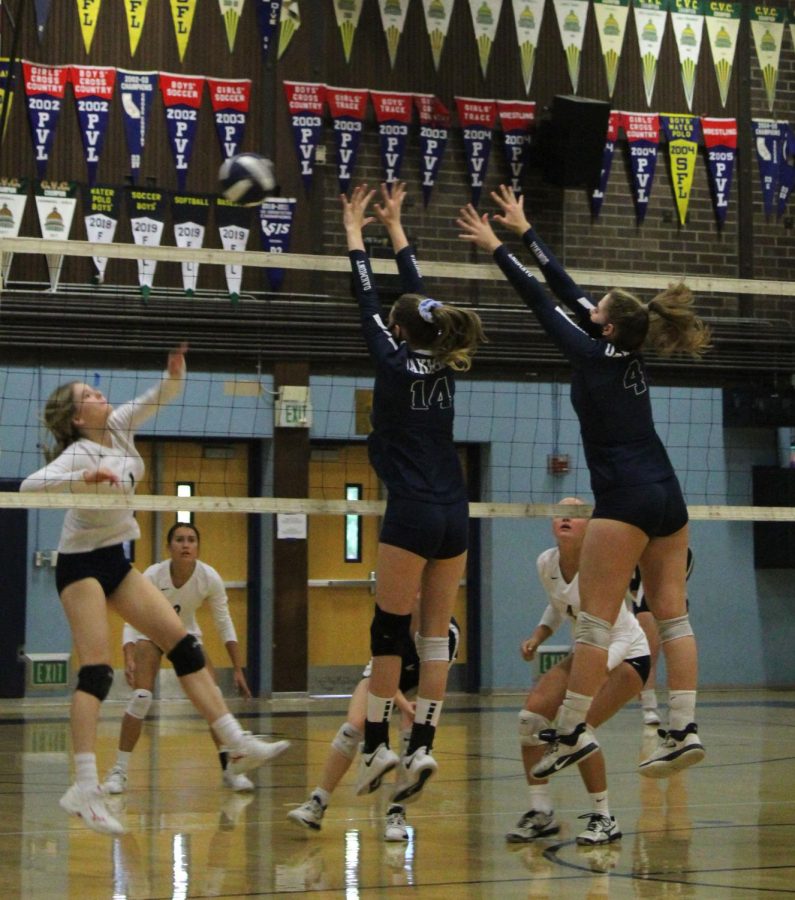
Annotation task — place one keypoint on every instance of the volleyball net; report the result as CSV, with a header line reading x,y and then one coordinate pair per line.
x,y
518,418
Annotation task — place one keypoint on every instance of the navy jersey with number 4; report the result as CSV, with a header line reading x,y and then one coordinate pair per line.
x,y
411,445
609,387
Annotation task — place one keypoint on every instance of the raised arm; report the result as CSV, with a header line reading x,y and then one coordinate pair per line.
x,y
512,217
388,212
129,416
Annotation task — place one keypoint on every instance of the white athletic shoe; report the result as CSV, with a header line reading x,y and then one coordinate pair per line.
x,y
413,772
116,782
676,750
236,782
601,830
531,826
565,750
396,828
309,814
372,768
90,806
252,752
651,717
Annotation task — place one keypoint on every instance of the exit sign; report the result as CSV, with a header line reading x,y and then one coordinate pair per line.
x,y
49,673
549,657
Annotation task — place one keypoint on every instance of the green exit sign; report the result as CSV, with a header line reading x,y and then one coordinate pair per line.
x,y
49,673
551,657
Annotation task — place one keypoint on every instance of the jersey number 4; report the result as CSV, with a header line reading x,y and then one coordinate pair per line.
x,y
633,378
426,394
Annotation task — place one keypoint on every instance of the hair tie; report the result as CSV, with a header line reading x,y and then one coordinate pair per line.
x,y
426,308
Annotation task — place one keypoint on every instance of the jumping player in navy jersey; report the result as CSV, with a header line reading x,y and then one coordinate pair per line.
x,y
639,511
423,541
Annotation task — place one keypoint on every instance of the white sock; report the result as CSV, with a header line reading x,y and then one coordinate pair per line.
x,y
123,760
379,709
599,800
322,795
540,800
681,709
228,730
648,699
573,710
86,770
427,712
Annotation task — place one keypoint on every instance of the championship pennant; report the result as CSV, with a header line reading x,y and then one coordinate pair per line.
x,y
146,211
643,138
268,15
101,216
137,91
786,169
437,24
234,227
347,12
289,23
687,19
231,10
485,18
723,26
44,92
135,10
477,118
276,223
650,19
720,139
6,96
347,107
517,118
598,196
434,133
393,18
182,99
767,26
528,15
42,8
611,23
189,217
305,103
230,100
92,87
55,204
393,114
683,134
182,13
768,144
13,199
572,16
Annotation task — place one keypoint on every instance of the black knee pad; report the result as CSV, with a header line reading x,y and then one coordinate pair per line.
x,y
95,680
389,633
187,656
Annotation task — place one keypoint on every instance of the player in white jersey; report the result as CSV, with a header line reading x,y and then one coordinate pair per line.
x,y
628,664
188,583
95,453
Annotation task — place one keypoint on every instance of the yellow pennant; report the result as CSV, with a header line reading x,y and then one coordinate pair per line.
x,y
182,12
88,10
136,14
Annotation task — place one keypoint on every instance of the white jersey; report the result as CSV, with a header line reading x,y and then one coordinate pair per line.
x,y
627,639
204,586
89,529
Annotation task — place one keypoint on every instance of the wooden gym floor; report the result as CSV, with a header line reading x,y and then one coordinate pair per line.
x,y
724,829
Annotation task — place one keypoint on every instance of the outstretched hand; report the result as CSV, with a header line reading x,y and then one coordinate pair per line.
x,y
354,211
176,361
388,210
476,229
512,217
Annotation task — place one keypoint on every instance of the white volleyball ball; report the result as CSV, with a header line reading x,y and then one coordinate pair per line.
x,y
246,178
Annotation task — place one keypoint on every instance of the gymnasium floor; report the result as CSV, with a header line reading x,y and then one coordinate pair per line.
x,y
724,829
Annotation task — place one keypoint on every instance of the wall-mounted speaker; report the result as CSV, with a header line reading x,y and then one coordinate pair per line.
x,y
569,142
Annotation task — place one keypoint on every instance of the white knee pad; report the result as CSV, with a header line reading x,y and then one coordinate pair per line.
x,y
347,740
139,704
671,629
433,649
592,630
530,726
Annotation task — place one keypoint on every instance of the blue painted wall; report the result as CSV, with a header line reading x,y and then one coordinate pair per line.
x,y
744,618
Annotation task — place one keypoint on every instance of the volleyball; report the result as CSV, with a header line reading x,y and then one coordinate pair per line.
x,y
246,178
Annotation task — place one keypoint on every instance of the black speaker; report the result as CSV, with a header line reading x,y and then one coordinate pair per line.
x,y
569,143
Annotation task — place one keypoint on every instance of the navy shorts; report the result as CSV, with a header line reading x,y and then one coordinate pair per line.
x,y
108,565
431,530
658,509
642,665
